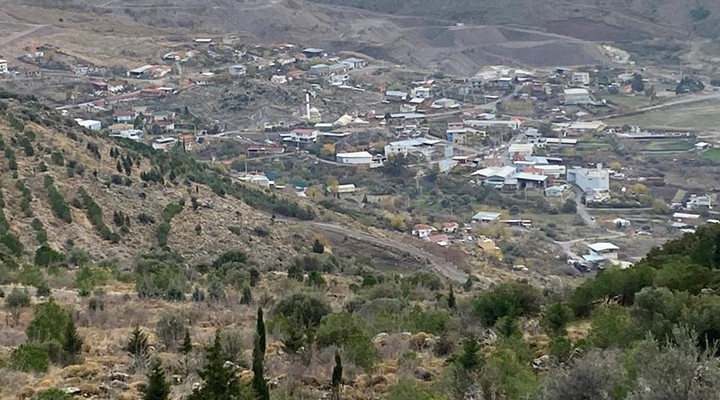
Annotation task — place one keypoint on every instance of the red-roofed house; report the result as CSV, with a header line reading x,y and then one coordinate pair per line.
x,y
124,115
450,227
423,230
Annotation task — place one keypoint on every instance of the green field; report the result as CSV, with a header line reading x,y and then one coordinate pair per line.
x,y
668,145
704,116
712,155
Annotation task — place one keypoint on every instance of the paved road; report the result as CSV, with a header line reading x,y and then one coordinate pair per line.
x,y
442,266
582,210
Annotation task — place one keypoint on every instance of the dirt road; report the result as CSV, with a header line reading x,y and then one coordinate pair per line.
x,y
445,268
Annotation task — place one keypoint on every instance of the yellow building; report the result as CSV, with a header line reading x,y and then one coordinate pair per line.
x,y
487,246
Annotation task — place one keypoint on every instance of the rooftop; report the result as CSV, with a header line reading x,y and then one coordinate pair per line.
x,y
530,177
486,216
685,216
603,246
576,91
356,154
495,171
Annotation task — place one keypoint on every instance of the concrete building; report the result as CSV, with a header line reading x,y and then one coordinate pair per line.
x,y
590,181
355,158
524,149
91,124
696,201
486,217
302,136
576,96
237,70
422,145
580,79
354,63
578,128
3,66
605,250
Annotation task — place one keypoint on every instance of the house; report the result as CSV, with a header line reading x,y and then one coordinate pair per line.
x,y
590,181
696,201
605,250
124,116
459,135
422,92
258,179
530,181
319,69
115,86
486,217
423,230
355,158
150,71
164,143
302,136
278,79
494,176
576,96
686,219
578,128
439,239
422,145
580,79
396,95
116,128
237,70
91,124
354,63
165,125
312,52
524,149
700,146
555,191
3,66
450,227
560,142
343,189
132,134
512,124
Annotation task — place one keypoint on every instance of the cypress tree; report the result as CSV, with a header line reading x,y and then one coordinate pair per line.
x,y
451,302
158,387
72,344
337,377
186,346
258,383
138,346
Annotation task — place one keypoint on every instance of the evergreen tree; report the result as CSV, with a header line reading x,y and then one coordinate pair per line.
x,y
72,344
337,377
259,384
220,381
158,387
260,331
470,360
451,302
138,345
186,346
246,295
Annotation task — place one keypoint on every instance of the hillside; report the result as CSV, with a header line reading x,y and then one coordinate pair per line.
x,y
137,192
577,18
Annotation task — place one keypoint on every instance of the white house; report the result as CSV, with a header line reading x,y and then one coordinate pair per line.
x,y
580,79
302,136
3,66
91,124
164,143
344,189
355,158
525,149
485,217
450,227
590,181
555,191
423,230
354,63
604,249
696,201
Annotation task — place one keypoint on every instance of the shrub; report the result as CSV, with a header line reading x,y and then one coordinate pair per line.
x,y
170,330
30,358
507,300
57,202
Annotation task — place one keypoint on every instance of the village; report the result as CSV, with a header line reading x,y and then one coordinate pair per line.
x,y
556,149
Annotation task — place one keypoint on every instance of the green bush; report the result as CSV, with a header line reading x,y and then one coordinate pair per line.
x,y
30,358
57,202
507,300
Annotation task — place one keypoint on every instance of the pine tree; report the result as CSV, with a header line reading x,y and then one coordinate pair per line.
x,y
470,360
186,346
246,295
138,345
220,381
451,299
72,345
337,377
258,383
158,387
